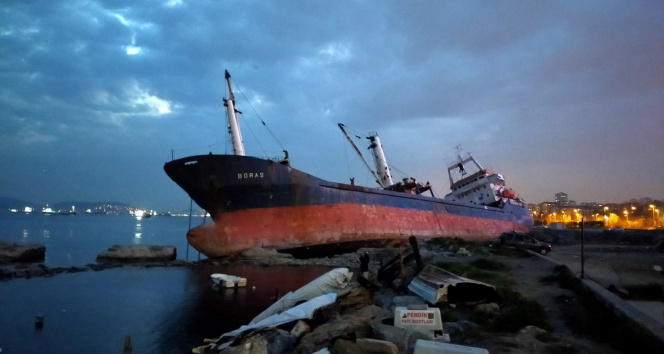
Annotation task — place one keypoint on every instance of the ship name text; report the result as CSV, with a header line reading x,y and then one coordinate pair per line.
x,y
247,175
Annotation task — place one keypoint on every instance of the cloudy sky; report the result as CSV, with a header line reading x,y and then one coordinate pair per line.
x,y
96,96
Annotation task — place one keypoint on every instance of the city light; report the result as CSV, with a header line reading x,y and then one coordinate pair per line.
x,y
632,215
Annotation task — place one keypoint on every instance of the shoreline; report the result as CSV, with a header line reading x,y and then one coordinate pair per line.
x,y
524,275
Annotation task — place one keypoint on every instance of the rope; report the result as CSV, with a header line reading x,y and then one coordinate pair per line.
x,y
259,117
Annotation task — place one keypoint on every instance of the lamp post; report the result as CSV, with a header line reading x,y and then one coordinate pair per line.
x,y
651,206
626,216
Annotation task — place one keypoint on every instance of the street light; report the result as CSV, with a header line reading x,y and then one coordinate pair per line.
x,y
651,206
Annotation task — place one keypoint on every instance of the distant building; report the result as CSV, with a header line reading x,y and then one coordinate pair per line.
x,y
571,203
561,199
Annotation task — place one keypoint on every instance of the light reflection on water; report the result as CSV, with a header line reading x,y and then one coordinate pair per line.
x,y
77,239
164,310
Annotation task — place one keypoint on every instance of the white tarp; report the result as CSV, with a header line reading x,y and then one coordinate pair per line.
x,y
337,281
299,312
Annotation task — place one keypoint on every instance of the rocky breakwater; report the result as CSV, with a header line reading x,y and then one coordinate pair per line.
x,y
23,261
14,252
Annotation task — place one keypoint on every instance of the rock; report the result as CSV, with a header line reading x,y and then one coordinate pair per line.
x,y
77,269
412,338
258,253
374,313
355,300
342,346
405,300
137,253
376,346
490,310
528,339
532,331
462,252
252,345
453,328
14,252
280,342
269,341
397,336
325,333
383,298
301,328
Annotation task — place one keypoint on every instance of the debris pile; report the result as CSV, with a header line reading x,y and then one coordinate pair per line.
x,y
343,312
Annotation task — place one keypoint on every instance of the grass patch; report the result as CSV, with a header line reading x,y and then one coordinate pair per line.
x,y
452,242
518,312
472,272
488,264
564,277
500,250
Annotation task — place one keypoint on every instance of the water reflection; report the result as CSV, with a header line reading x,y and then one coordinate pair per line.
x,y
138,234
47,233
208,312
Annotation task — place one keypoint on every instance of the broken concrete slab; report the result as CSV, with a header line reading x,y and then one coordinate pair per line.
x,y
138,253
438,285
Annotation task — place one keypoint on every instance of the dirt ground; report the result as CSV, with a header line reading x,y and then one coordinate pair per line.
x,y
607,265
618,265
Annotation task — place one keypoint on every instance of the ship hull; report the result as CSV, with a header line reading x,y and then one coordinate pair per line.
x,y
262,203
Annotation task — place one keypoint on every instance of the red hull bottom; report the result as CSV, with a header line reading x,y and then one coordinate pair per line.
x,y
290,227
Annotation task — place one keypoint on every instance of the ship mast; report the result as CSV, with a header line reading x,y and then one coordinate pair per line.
x,y
233,124
341,126
381,162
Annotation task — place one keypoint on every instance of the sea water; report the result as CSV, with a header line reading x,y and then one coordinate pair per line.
x,y
75,240
163,310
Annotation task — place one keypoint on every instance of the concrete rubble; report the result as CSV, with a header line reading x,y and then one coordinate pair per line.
x,y
138,253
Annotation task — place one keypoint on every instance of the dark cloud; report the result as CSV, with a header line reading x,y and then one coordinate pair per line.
x,y
557,96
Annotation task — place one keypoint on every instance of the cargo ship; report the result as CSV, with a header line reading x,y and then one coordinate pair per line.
x,y
257,202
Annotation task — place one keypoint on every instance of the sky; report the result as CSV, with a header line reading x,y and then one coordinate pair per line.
x,y
95,96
